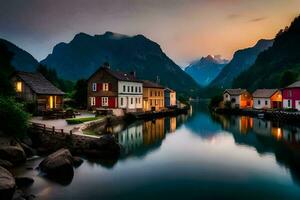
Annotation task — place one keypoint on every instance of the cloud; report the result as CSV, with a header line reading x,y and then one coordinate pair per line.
x,y
233,16
257,19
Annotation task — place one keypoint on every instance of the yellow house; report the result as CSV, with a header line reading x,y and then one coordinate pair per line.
x,y
153,96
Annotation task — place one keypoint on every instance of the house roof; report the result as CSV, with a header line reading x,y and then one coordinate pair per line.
x,y
264,93
237,91
296,84
169,90
121,76
38,83
150,84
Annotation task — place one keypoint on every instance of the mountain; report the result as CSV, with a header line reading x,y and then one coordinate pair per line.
x,y
85,54
21,60
206,69
279,65
241,61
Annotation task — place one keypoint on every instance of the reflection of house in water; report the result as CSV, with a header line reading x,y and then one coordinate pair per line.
x,y
291,134
154,131
170,124
262,127
242,124
131,138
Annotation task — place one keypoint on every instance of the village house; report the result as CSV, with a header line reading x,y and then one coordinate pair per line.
x,y
238,98
170,97
267,98
35,88
291,96
153,96
108,89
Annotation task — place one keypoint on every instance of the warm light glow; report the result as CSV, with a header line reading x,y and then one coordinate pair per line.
x,y
279,133
19,86
50,102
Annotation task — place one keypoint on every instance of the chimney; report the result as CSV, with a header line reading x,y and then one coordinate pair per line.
x,y
133,73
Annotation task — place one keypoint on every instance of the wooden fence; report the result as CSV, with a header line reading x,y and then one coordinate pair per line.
x,y
50,130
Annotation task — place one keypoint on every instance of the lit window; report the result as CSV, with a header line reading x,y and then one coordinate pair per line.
x,y
105,86
104,101
19,86
94,87
50,102
93,101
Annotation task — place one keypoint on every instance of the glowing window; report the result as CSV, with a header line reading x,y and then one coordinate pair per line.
x,y
19,86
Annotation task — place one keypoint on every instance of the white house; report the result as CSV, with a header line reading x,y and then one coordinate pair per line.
x,y
267,98
238,98
130,95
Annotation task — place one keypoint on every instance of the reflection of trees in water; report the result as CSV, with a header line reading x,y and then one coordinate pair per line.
x,y
266,137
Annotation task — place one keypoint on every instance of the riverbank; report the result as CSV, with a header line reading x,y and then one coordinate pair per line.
x,y
272,115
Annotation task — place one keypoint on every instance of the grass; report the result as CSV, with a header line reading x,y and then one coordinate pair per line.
x,y
81,120
90,132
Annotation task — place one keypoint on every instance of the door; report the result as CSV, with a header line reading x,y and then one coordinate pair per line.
x,y
111,102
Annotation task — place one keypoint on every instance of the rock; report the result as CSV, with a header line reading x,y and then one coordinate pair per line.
x,y
28,150
58,165
7,184
77,161
13,154
105,147
6,164
20,195
23,181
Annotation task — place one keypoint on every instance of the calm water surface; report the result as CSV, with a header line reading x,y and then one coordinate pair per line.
x,y
194,156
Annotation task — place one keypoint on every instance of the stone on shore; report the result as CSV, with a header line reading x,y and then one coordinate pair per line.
x,y
13,154
7,184
58,165
77,161
6,164
23,181
105,147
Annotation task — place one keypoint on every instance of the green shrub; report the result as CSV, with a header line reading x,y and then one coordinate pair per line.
x,y
80,120
13,118
215,101
227,104
31,107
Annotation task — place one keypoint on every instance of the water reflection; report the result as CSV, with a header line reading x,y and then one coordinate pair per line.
x,y
266,137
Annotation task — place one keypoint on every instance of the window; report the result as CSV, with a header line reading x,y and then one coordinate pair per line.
x,y
151,93
105,86
289,103
140,89
19,86
136,89
258,102
93,101
131,88
226,95
94,87
266,103
131,99
104,101
128,88
136,100
124,88
290,93
121,101
155,93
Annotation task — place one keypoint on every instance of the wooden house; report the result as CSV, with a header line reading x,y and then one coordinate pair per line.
x,y
153,96
267,98
108,89
170,97
291,96
35,88
238,98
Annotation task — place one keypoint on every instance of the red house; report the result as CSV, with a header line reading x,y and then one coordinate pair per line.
x,y
291,96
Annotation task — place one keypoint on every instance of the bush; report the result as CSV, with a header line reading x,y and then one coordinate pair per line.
x,y
227,104
31,107
13,117
80,120
215,101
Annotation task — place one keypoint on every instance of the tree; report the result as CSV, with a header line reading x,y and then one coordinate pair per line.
x,y
80,93
6,70
287,78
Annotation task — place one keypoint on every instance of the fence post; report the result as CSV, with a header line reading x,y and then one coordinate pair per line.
x,y
62,131
44,129
71,132
53,129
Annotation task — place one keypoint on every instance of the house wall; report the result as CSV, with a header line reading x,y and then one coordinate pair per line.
x,y
170,98
128,98
262,103
100,78
27,94
153,99
291,95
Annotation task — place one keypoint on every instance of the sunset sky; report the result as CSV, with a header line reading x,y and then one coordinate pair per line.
x,y
185,29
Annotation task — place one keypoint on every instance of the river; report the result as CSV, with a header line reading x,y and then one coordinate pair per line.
x,y
192,156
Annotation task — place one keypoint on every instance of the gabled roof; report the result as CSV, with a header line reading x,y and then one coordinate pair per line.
x,y
169,90
150,84
264,93
38,83
237,91
121,76
296,84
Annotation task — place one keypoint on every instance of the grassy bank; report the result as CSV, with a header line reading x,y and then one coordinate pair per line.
x,y
81,120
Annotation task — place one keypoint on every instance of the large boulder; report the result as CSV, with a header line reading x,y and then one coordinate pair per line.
x,y
13,154
7,184
58,165
6,164
105,147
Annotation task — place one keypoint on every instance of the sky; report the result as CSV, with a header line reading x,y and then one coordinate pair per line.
x,y
185,29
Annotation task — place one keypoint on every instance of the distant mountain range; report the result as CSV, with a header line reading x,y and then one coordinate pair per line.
x,y
278,65
241,61
22,60
85,54
206,69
